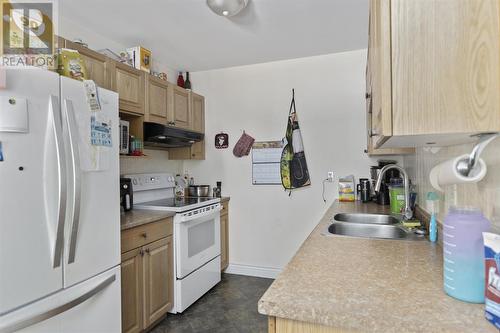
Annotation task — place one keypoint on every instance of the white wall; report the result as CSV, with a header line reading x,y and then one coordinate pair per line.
x,y
266,225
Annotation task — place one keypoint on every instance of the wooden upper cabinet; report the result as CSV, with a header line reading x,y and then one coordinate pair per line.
x,y
129,83
156,100
159,282
95,63
197,112
435,71
179,111
132,305
446,66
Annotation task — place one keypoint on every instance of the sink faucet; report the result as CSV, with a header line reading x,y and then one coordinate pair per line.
x,y
408,213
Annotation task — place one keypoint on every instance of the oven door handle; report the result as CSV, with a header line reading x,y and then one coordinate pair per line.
x,y
213,211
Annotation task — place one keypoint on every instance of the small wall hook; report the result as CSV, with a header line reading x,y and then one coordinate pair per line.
x,y
465,166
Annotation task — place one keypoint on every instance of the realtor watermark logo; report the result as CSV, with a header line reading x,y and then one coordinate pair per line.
x,y
28,33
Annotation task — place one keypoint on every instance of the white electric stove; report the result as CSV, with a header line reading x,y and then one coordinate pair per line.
x,y
196,234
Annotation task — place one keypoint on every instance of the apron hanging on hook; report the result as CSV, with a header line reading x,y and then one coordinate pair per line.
x,y
294,172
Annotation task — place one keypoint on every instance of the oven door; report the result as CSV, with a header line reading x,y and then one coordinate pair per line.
x,y
197,239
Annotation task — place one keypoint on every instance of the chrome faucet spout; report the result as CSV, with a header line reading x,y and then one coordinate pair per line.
x,y
408,213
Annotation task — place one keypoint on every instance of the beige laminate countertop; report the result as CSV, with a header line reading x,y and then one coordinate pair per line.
x,y
137,217
369,285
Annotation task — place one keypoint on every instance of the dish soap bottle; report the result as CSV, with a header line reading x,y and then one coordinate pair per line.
x,y
433,208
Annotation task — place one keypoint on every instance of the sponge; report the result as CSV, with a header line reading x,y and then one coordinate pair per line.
x,y
413,223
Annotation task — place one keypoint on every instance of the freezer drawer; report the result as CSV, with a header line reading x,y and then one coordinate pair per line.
x,y
92,306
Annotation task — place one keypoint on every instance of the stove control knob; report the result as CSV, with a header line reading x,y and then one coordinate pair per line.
x,y
134,181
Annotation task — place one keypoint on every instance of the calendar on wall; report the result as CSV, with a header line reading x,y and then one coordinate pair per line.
x,y
266,162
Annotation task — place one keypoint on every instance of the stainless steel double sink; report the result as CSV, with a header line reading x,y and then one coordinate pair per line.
x,y
370,226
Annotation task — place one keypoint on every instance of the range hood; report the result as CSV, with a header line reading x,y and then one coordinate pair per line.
x,y
161,136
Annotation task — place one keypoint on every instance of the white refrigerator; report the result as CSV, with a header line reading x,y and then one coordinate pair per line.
x,y
59,206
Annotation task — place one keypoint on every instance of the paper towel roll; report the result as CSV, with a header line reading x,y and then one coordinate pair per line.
x,y
446,173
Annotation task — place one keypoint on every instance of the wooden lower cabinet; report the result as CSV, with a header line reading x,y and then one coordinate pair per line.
x,y
159,283
224,236
281,325
147,277
131,276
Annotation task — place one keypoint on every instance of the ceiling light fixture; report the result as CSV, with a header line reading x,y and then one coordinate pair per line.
x,y
227,8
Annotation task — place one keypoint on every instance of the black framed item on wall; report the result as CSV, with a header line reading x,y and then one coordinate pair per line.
x,y
221,141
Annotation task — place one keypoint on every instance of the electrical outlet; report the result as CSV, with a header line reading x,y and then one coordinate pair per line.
x,y
330,176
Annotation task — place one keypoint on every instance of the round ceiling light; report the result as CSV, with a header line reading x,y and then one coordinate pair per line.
x,y
227,7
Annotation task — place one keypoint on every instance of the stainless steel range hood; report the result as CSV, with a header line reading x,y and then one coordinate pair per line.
x,y
161,136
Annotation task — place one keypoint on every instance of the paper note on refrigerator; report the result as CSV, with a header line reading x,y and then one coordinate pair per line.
x,y
92,95
100,132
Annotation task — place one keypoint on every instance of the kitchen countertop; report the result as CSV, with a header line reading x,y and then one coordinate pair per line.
x,y
137,217
368,284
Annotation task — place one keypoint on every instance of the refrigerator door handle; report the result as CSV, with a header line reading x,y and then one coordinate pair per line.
x,y
55,112
75,177
35,318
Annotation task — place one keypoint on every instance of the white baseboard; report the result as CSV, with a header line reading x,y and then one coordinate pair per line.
x,y
264,272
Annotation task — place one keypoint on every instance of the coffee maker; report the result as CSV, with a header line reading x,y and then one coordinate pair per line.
x,y
382,197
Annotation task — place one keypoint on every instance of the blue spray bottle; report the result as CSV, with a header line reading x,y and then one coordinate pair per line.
x,y
433,208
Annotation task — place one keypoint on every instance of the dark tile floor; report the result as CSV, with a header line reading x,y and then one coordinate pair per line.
x,y
231,306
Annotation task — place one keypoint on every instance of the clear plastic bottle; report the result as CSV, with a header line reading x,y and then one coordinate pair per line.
x,y
463,271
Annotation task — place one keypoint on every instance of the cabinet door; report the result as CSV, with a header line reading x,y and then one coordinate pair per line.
x,y
224,249
195,152
197,112
95,63
446,68
380,72
132,291
198,150
179,115
159,279
129,83
156,100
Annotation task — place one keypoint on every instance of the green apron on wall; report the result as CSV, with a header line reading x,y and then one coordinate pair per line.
x,y
294,173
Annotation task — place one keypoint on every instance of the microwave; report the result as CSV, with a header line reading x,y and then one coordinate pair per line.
x,y
124,137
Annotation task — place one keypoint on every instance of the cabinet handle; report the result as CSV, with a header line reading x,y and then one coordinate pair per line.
x,y
193,155
371,133
147,251
141,252
368,95
144,235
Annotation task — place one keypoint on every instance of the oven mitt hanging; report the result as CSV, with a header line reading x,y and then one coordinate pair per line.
x,y
294,173
243,146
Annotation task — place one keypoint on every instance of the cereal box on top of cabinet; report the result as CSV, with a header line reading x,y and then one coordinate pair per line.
x,y
141,58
